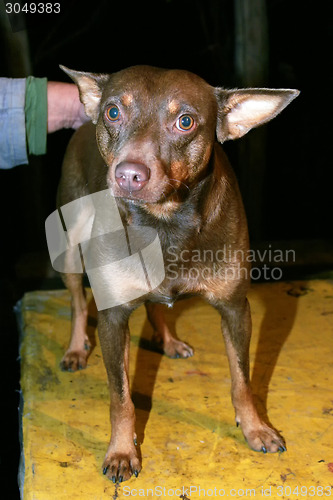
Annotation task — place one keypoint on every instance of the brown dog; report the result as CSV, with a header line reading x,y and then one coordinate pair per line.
x,y
152,141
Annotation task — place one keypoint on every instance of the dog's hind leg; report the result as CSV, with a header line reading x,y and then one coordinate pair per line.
x,y
75,358
172,346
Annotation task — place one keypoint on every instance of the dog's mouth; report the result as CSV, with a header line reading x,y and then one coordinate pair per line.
x,y
162,208
147,196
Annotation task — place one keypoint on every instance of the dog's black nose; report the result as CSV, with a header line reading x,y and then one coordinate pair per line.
x,y
131,176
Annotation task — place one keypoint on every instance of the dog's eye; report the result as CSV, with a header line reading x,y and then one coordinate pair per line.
x,y
112,113
185,123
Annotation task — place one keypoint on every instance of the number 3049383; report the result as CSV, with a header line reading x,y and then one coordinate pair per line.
x,y
33,8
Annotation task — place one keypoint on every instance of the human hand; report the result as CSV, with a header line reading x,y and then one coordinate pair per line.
x,y
64,109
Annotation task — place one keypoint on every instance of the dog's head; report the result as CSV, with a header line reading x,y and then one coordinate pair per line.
x,y
156,128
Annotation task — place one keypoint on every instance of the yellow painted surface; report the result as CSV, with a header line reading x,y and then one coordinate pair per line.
x,y
185,420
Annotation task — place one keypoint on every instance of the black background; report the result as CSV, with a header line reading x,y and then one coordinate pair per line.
x,y
105,36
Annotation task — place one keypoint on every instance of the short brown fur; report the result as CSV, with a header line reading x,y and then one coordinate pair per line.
x,y
189,194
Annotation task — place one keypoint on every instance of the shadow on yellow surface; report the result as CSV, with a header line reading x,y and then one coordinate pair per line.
x,y
188,440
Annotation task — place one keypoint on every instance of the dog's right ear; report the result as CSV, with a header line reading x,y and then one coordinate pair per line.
x,y
90,87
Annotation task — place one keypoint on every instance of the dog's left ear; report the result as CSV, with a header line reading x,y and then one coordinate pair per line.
x,y
90,87
241,110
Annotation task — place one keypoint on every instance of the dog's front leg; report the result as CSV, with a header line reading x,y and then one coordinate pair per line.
x,y
236,327
121,460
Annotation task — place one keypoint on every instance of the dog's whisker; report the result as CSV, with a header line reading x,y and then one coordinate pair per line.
x,y
174,188
180,182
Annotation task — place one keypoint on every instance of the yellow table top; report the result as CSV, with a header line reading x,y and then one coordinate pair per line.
x,y
189,443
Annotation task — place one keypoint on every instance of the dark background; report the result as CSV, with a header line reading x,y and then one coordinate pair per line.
x,y
293,189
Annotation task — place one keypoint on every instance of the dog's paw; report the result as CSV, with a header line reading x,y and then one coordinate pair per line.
x,y
74,360
265,439
119,466
177,349
171,346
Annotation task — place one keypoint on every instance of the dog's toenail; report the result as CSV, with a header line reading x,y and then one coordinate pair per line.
x,y
136,473
120,479
263,449
114,479
105,470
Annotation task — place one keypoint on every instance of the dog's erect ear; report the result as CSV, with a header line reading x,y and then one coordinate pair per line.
x,y
90,87
241,110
